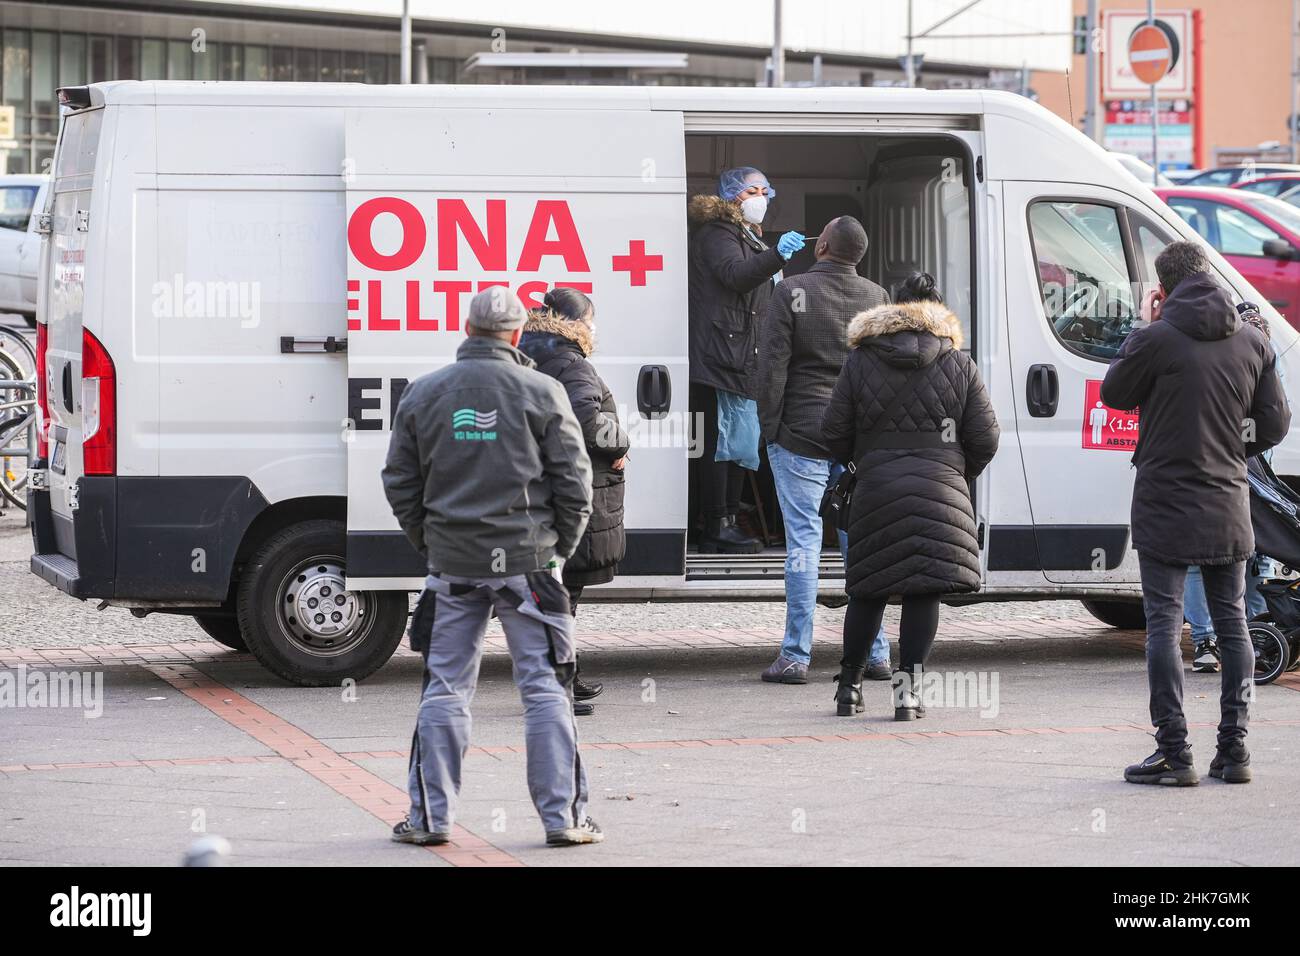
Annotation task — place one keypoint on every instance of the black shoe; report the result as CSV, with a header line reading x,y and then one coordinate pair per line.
x,y
907,698
1164,770
583,709
1205,658
1231,763
584,832
404,832
848,696
879,671
723,536
584,691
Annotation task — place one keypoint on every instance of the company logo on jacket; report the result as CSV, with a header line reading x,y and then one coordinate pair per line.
x,y
469,424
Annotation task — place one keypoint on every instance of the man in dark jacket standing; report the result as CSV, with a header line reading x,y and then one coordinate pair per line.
x,y
488,475
730,281
801,348
1209,398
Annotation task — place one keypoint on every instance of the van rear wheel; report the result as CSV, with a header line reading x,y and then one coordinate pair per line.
x,y
300,621
1128,615
222,628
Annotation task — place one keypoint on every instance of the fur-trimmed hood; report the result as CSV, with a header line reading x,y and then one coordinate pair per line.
x,y
549,322
932,317
703,209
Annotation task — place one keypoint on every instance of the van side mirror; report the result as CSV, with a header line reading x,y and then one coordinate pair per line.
x,y
1279,249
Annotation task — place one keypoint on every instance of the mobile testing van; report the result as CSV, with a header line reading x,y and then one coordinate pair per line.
x,y
239,279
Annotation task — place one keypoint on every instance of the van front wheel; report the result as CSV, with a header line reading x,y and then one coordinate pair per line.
x,y
300,621
1128,615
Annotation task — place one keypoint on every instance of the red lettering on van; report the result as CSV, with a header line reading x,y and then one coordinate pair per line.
x,y
413,234
566,243
454,291
453,217
375,321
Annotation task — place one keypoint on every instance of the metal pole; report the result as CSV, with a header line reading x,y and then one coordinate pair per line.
x,y
778,51
1090,124
406,41
910,67
1155,111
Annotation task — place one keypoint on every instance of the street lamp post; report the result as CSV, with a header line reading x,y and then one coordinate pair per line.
x,y
1155,110
406,41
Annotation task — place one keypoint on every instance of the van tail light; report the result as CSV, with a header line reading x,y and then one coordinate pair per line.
x,y
98,408
42,392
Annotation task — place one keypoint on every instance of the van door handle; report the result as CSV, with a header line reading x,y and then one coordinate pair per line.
x,y
67,386
654,391
1042,391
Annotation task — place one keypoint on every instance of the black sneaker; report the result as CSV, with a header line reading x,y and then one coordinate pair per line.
x,y
582,708
1205,658
584,832
880,671
1164,770
404,832
1231,764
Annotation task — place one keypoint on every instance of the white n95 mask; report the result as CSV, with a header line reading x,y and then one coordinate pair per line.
x,y
754,209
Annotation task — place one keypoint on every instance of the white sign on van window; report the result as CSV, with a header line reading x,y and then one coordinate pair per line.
x,y
444,204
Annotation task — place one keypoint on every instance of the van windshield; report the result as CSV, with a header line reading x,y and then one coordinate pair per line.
x,y
16,206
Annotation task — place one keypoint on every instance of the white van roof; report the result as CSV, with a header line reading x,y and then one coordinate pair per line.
x,y
1031,143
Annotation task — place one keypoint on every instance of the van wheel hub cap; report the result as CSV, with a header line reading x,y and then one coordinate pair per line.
x,y
318,612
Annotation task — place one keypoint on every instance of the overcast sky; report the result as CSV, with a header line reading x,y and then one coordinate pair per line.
x,y
871,27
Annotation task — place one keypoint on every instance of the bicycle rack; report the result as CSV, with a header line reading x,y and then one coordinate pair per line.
x,y
27,451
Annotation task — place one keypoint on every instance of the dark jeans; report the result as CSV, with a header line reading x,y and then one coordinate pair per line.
x,y
1162,596
916,630
718,483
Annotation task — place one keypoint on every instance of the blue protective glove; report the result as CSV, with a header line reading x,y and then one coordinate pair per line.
x,y
789,244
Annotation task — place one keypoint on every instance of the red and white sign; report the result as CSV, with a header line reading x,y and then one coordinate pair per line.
x,y
1106,428
1136,54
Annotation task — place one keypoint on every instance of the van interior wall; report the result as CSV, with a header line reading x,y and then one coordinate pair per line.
x,y
911,194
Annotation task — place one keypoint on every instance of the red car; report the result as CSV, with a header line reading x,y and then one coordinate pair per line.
x,y
1274,185
1258,234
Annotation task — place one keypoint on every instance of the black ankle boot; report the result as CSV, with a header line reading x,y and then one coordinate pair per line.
x,y
906,694
723,535
848,696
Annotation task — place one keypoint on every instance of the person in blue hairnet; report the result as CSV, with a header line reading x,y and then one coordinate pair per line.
x,y
732,270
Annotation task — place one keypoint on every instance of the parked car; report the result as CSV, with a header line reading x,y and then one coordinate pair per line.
x,y
1141,169
1258,234
1274,185
21,197
1230,175
1178,176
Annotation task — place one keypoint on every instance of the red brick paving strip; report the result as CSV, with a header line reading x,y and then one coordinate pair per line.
x,y
372,794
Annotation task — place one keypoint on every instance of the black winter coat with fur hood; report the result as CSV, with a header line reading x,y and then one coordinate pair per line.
x,y
561,348
730,283
911,525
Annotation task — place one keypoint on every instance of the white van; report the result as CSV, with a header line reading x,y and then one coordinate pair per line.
x,y
241,278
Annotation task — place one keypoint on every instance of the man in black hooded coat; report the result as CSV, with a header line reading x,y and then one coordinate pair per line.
x,y
1209,398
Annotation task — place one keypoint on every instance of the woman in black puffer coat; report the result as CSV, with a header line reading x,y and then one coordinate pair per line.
x,y
911,524
560,337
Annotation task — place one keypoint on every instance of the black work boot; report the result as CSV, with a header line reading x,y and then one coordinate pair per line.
x,y
1165,770
906,694
1231,763
723,536
848,696
584,691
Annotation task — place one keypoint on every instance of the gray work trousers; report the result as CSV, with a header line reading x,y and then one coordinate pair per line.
x,y
448,627
1162,597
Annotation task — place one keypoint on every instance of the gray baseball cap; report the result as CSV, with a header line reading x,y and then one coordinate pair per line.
x,y
497,310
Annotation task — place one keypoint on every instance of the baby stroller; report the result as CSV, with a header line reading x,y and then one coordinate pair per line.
x,y
1275,514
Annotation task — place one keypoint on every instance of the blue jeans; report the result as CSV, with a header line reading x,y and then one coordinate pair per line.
x,y
800,483
1197,610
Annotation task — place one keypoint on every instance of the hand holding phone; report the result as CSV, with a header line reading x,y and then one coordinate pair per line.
x,y
1151,303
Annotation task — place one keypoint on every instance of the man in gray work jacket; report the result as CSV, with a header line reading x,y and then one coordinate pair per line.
x,y
488,475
